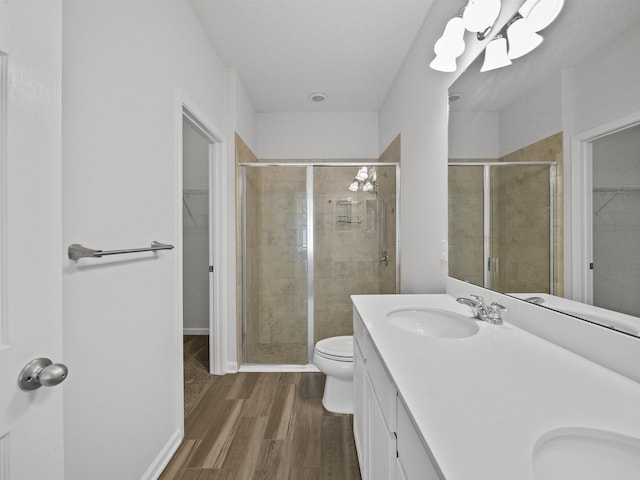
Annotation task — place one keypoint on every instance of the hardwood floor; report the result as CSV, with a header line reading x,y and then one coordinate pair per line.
x,y
261,426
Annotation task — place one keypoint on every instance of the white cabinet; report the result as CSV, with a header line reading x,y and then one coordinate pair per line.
x,y
388,445
360,403
413,458
374,416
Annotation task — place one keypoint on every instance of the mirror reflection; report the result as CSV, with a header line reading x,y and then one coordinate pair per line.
x,y
544,173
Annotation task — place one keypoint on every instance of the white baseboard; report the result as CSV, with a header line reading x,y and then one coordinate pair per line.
x,y
279,368
195,331
163,458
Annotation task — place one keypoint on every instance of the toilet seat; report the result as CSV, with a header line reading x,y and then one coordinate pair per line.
x,y
339,349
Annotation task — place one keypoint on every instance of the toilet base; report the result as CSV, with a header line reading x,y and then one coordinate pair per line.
x,y
338,395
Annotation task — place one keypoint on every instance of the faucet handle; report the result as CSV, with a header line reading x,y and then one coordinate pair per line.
x,y
495,313
478,299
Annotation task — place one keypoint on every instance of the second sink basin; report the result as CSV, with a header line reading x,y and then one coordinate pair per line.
x,y
433,322
586,454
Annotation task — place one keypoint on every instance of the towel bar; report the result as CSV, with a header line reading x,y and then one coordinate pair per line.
x,y
77,251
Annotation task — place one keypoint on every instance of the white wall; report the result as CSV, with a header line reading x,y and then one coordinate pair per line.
x,y
245,115
535,115
315,135
604,86
417,107
123,64
474,135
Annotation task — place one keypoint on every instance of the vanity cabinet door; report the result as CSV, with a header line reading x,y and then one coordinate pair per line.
x,y
360,404
400,475
413,459
382,443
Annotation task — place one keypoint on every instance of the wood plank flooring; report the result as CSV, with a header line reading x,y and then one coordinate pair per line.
x,y
262,426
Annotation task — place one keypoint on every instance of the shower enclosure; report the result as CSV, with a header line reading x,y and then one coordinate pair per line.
x,y
501,225
312,235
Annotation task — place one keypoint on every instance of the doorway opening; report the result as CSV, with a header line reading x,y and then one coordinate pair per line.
x,y
196,241
201,267
605,186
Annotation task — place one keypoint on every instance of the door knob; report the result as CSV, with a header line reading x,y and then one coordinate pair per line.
x,y
42,371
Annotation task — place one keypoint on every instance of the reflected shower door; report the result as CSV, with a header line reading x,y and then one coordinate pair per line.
x,y
274,265
466,223
520,258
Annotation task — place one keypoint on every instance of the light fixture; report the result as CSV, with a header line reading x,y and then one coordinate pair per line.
x,y
444,64
449,46
362,174
495,55
480,15
515,40
542,13
365,180
522,38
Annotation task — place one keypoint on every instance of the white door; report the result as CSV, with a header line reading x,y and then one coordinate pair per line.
x,y
31,254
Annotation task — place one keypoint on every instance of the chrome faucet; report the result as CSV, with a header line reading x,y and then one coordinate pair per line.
x,y
491,314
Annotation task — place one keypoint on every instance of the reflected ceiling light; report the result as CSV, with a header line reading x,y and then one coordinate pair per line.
x,y
354,186
542,13
480,15
367,187
449,46
362,174
522,38
495,55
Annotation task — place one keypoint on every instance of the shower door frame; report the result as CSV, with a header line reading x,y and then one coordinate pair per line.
x,y
486,199
309,166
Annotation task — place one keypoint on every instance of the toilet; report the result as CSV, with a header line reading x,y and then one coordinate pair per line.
x,y
334,357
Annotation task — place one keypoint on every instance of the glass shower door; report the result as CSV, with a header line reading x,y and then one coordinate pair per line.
x,y
275,265
352,232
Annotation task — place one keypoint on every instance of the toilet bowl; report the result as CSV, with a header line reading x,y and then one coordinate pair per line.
x,y
334,357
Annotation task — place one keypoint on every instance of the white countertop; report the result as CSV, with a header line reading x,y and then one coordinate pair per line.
x,y
482,402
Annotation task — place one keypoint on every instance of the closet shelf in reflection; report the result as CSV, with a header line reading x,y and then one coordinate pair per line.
x,y
616,189
195,191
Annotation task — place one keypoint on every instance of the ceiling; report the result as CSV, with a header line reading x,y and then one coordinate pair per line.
x,y
582,27
283,50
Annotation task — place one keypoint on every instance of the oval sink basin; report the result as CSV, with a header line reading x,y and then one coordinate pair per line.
x,y
433,322
586,454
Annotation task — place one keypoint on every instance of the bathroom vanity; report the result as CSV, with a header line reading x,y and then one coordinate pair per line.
x,y
440,395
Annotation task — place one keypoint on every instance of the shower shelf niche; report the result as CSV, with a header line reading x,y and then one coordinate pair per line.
x,y
344,211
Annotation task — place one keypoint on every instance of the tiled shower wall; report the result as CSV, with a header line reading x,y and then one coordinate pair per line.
x,y
519,223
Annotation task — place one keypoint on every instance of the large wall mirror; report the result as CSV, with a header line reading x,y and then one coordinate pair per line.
x,y
544,169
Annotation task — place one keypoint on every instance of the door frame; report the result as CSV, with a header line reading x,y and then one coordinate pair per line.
x,y
580,242
218,296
